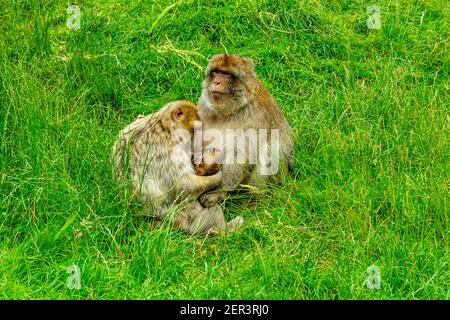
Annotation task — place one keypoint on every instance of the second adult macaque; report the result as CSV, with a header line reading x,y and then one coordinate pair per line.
x,y
234,99
162,173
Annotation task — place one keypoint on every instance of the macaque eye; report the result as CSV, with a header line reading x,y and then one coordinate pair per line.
x,y
229,75
223,73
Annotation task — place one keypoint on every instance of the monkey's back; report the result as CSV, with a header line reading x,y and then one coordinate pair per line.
x,y
155,167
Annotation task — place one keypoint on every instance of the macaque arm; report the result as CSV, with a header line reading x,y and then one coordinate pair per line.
x,y
234,176
194,184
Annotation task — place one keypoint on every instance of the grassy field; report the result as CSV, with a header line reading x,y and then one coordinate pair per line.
x,y
369,109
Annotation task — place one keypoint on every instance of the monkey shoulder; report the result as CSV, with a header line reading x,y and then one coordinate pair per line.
x,y
272,112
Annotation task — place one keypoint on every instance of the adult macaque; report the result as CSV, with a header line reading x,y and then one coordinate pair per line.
x,y
233,100
162,173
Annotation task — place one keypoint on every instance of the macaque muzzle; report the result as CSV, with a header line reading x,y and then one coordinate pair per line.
x,y
220,83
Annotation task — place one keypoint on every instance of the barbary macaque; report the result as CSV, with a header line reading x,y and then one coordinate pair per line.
x,y
234,101
163,176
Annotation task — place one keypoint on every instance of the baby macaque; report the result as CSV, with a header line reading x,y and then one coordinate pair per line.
x,y
211,163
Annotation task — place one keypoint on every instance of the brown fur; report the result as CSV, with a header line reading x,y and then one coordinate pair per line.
x,y
248,105
162,174
211,163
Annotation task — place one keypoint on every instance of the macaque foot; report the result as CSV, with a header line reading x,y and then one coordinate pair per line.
x,y
210,199
232,226
235,224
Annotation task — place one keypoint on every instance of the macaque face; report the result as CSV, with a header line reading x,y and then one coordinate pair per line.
x,y
227,78
221,82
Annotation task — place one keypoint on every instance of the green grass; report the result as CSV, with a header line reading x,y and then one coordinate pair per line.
x,y
369,110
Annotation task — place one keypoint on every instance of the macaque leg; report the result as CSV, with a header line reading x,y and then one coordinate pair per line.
x,y
195,219
235,224
234,176
212,198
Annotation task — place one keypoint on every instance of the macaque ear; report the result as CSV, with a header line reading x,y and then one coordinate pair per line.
x,y
178,114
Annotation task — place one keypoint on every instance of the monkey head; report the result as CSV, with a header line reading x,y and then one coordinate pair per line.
x,y
229,83
180,115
